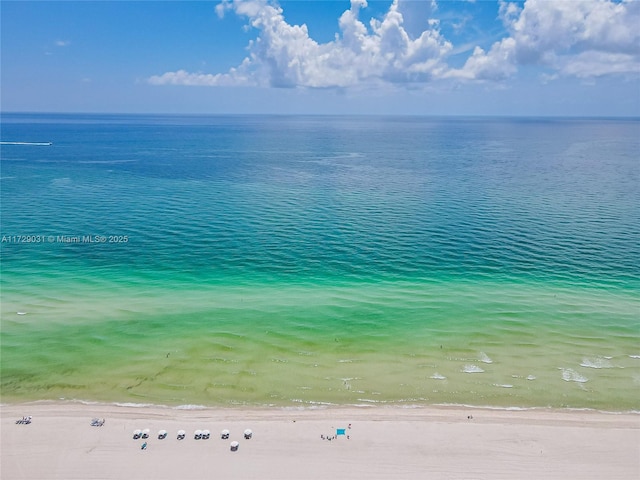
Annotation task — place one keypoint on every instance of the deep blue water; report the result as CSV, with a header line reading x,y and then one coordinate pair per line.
x,y
308,197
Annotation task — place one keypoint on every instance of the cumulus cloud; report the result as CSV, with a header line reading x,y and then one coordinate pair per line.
x,y
584,38
235,77
581,38
284,55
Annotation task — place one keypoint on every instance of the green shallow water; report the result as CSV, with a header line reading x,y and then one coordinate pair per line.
x,y
474,343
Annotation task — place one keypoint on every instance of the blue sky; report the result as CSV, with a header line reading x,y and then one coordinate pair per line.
x,y
533,57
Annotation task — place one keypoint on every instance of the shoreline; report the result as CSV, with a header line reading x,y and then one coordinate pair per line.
x,y
454,442
313,406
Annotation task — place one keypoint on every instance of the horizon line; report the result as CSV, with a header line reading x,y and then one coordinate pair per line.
x,y
265,114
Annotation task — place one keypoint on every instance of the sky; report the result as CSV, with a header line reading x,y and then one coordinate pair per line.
x,y
399,57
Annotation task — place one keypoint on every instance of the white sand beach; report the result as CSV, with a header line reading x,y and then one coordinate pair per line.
x,y
379,443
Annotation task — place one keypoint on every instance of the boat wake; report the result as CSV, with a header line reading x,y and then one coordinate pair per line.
x,y
40,144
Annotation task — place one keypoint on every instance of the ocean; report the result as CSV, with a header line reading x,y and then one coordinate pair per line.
x,y
304,261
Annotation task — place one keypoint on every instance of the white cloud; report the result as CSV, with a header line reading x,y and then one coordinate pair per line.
x,y
580,38
235,77
595,64
62,43
496,65
285,55
583,38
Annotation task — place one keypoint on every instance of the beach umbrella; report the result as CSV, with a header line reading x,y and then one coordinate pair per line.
x,y
197,434
248,434
234,446
181,434
205,434
145,433
224,434
162,434
137,434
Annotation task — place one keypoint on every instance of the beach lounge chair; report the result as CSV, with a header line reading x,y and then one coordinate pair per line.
x,y
97,422
206,434
137,434
162,434
234,446
144,446
224,435
248,434
24,420
181,434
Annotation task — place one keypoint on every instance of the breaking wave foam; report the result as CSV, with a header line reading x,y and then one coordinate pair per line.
x,y
472,369
598,362
484,358
570,375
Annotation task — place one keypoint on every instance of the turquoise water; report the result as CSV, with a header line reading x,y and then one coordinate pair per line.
x,y
261,260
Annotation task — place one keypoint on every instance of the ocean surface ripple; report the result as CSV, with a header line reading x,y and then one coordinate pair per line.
x,y
238,259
